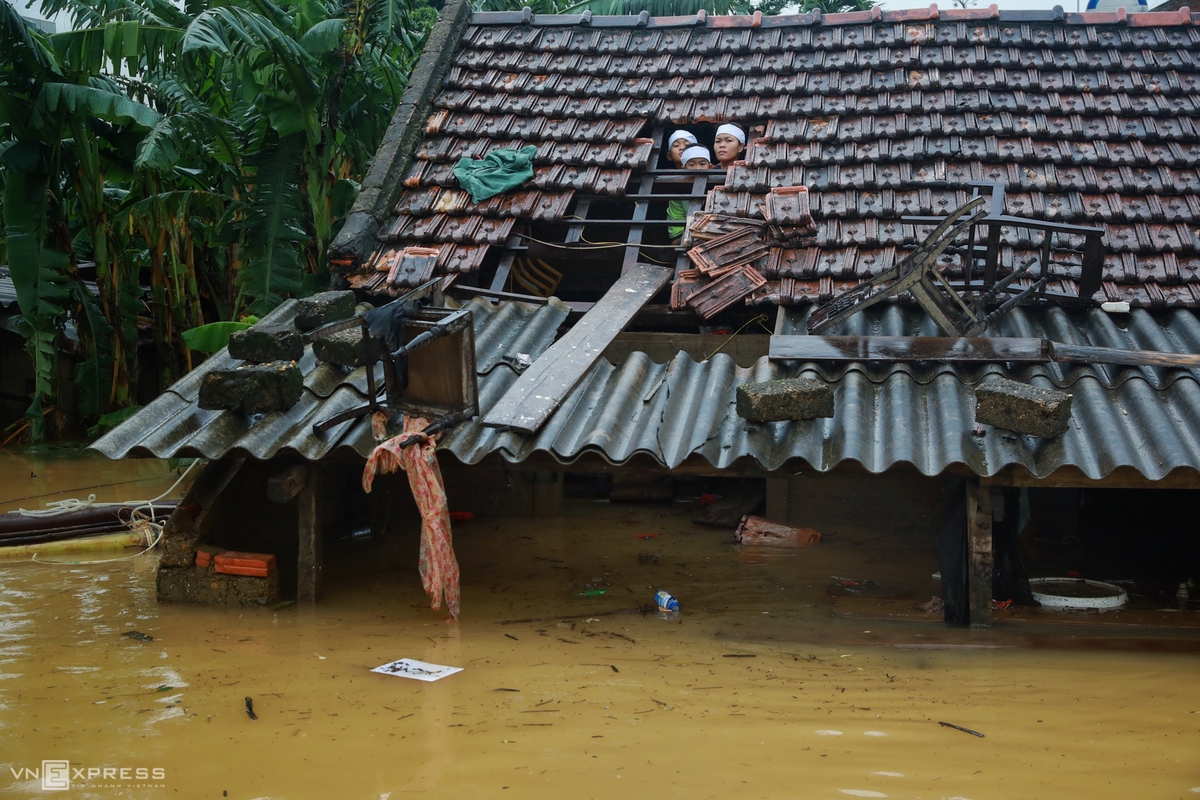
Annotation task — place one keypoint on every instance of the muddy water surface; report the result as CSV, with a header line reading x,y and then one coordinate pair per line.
x,y
756,690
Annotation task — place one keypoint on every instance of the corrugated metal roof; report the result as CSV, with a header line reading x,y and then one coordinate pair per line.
x,y
885,414
174,425
920,414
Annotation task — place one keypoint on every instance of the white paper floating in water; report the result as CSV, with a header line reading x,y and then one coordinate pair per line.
x,y
890,774
829,733
862,793
417,670
874,733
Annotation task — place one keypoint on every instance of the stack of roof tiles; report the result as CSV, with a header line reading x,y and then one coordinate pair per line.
x,y
1088,118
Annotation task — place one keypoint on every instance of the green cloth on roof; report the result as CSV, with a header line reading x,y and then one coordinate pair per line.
x,y
676,212
495,173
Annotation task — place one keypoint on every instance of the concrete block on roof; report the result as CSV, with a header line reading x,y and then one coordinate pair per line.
x,y
252,388
1022,408
347,348
785,399
321,309
264,343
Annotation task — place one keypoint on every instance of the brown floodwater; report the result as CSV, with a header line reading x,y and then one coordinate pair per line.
x,y
756,690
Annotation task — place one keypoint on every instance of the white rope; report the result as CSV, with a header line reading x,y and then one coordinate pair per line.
x,y
57,507
142,526
146,525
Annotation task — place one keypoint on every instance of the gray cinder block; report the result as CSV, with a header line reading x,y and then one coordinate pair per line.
x,y
252,388
347,348
321,309
1022,408
784,399
263,344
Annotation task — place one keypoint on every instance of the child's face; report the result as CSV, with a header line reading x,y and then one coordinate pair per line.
x,y
676,151
697,163
726,148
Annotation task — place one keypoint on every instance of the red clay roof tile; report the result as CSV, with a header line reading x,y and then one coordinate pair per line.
x,y
1087,118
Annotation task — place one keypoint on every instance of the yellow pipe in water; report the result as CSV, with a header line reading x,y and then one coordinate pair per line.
x,y
90,544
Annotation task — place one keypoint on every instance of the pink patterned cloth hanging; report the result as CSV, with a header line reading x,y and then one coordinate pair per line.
x,y
438,566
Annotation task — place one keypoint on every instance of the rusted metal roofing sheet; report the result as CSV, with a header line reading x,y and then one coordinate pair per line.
x,y
1145,418
174,426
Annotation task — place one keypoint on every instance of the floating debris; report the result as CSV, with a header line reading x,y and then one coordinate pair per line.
x,y
961,728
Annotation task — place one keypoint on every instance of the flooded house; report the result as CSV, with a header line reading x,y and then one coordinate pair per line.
x,y
960,247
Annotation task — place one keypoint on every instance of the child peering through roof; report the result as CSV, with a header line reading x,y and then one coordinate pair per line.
x,y
679,141
695,157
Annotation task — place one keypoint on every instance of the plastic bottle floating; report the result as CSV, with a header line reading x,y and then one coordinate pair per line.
x,y
668,606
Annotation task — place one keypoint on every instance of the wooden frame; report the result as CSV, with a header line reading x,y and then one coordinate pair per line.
x,y
432,390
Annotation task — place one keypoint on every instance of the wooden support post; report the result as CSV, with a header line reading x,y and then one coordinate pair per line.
x,y
506,261
287,483
309,566
979,553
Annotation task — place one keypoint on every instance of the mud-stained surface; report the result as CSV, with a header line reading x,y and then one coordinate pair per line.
x,y
756,690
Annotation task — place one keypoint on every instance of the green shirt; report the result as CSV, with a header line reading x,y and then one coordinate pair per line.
x,y
677,212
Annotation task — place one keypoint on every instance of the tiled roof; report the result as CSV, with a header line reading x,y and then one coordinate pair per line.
x,y
1089,118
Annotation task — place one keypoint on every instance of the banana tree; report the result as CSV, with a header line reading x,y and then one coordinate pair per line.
x,y
206,152
307,81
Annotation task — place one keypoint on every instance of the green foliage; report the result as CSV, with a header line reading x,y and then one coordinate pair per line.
x,y
272,226
202,156
96,103
93,374
836,6
212,337
112,419
38,272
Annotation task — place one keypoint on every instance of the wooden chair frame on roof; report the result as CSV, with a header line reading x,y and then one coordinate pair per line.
x,y
949,303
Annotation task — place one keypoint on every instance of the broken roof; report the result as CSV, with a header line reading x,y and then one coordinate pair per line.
x,y
1089,118
1140,418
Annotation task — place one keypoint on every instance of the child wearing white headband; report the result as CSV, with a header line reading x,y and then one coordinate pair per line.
x,y
695,157
679,141
728,145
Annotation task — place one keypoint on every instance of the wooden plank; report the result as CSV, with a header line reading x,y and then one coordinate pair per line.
x,y
309,565
521,298
575,232
906,348
504,268
979,348
979,551
535,395
1080,354
637,228
287,483
213,479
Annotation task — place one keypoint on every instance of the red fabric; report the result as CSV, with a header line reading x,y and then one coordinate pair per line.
x,y
438,566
